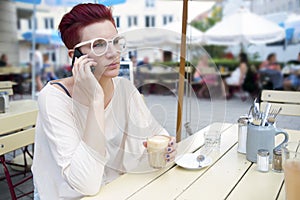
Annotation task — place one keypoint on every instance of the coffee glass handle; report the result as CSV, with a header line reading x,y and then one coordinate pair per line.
x,y
286,137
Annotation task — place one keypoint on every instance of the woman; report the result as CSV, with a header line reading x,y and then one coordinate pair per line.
x,y
237,77
91,126
3,60
48,69
206,80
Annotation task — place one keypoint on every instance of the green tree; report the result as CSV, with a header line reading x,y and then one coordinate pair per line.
x,y
208,22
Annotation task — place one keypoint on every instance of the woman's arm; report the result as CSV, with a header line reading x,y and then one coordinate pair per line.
x,y
243,68
63,124
142,124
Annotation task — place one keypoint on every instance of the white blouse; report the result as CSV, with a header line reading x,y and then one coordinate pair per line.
x,y
64,167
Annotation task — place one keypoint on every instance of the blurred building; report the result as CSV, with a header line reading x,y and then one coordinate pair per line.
x,y
264,7
16,18
8,30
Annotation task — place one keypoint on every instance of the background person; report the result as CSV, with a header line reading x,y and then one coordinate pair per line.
x,y
271,63
206,80
133,59
38,68
91,126
143,63
48,73
270,76
237,77
4,60
292,82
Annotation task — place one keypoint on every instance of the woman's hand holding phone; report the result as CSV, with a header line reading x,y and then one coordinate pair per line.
x,y
86,87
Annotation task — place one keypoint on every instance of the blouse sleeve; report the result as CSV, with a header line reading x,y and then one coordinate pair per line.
x,y
80,165
141,124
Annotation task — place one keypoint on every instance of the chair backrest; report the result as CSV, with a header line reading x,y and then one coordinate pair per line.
x,y
16,140
17,125
207,70
126,70
289,101
7,86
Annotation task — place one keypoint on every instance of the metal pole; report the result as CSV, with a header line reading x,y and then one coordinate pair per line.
x,y
33,19
181,71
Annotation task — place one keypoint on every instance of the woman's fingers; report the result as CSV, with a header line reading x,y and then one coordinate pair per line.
x,y
172,141
85,65
171,150
171,156
77,64
145,144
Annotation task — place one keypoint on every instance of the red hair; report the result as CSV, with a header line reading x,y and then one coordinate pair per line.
x,y
79,17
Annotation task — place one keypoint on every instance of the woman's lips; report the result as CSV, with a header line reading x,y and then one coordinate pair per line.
x,y
113,65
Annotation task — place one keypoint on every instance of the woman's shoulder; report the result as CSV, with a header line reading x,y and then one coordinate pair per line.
x,y
53,93
65,85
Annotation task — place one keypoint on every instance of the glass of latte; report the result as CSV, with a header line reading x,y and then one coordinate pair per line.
x,y
291,169
156,147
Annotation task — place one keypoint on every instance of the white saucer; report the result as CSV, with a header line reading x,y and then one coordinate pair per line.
x,y
189,161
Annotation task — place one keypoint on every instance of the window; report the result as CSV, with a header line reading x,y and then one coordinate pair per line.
x,y
117,21
150,3
290,6
19,24
149,21
135,20
49,23
30,26
132,21
167,19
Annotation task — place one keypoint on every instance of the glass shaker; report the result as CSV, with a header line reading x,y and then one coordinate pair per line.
x,y
242,134
263,160
2,103
277,160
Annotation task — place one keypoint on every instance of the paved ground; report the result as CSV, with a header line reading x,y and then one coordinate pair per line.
x,y
197,112
201,112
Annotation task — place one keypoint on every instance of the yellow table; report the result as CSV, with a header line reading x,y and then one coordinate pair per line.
x,y
230,176
13,70
20,114
16,131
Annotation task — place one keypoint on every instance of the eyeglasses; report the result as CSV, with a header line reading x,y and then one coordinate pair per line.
x,y
99,46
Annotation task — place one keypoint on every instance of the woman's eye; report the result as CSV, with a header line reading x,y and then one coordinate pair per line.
x,y
116,41
99,44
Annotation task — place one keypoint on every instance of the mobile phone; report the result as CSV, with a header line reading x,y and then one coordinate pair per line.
x,y
77,54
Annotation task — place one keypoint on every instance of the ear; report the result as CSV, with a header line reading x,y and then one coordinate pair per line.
x,y
71,53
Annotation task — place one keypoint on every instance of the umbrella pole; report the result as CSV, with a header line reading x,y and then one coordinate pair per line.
x,y
33,54
181,71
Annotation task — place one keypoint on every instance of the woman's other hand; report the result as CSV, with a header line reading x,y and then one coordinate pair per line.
x,y
171,151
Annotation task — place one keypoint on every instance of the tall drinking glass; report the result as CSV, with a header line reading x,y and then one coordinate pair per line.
x,y
291,168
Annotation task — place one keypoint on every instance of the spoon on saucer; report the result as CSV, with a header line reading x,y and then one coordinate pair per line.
x,y
200,158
